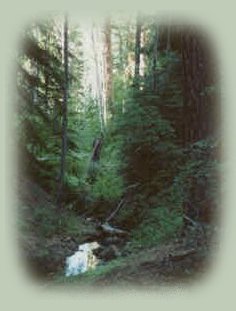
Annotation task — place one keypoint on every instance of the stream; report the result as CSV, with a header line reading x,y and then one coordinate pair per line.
x,y
82,260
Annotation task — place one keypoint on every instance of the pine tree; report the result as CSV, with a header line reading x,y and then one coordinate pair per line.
x,y
64,117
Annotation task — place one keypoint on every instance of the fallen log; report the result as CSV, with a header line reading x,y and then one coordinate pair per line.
x,y
195,224
107,228
121,203
181,254
115,211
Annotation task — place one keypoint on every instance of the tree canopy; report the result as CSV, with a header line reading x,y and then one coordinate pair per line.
x,y
119,121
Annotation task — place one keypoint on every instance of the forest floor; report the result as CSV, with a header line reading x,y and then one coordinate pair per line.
x,y
179,260
169,264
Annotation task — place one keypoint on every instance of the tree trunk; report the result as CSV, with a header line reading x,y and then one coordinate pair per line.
x,y
47,77
168,39
101,103
137,51
64,117
195,68
154,62
108,68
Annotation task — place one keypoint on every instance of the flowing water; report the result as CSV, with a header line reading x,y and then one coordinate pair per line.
x,y
82,260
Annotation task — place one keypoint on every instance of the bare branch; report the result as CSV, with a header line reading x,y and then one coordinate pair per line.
x,y
115,211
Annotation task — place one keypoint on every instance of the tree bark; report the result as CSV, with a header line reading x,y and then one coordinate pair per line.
x,y
168,39
137,51
108,68
101,103
154,63
47,78
195,70
64,117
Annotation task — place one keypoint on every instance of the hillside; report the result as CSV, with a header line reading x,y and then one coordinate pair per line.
x,y
118,130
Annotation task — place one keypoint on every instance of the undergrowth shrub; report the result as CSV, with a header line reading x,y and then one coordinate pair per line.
x,y
197,184
194,192
159,225
109,183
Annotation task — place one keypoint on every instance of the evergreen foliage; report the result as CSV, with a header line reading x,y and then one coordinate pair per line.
x,y
40,84
155,156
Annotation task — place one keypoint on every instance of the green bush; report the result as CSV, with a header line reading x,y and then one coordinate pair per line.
x,y
159,225
109,183
197,184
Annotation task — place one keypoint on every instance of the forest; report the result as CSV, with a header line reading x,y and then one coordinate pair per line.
x,y
118,135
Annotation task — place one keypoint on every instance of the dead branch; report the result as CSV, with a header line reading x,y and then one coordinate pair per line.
x,y
111,230
121,203
194,223
181,255
191,220
115,211
133,186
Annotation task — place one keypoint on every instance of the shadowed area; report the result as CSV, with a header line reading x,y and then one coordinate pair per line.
x,y
119,137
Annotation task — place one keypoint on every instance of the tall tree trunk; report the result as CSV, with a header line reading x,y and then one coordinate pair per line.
x,y
154,62
101,103
47,76
168,39
64,117
137,51
108,68
195,69
121,53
